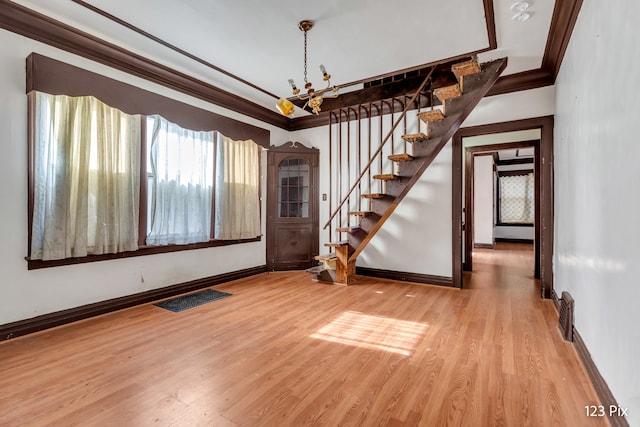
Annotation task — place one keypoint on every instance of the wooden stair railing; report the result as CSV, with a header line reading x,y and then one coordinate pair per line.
x,y
458,101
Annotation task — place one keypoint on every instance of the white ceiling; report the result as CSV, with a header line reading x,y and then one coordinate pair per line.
x,y
259,41
516,153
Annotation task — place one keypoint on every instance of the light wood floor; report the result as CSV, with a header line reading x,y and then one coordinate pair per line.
x,y
284,351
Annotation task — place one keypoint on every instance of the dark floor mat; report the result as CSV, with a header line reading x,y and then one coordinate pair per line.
x,y
192,300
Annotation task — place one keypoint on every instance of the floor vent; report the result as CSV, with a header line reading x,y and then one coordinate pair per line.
x,y
566,316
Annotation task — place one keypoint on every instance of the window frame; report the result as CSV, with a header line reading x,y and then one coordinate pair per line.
x,y
55,77
501,174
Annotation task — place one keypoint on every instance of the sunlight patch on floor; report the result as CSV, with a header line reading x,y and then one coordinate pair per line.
x,y
373,332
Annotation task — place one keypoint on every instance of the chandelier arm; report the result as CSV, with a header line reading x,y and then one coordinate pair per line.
x,y
326,89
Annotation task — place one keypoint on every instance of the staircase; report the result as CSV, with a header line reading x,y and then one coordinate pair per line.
x,y
457,100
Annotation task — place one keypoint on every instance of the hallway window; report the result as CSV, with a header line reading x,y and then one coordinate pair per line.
x,y
516,203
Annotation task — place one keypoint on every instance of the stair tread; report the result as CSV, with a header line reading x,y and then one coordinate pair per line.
x,y
415,137
465,68
448,92
386,177
359,213
435,115
400,157
336,244
323,257
374,196
347,229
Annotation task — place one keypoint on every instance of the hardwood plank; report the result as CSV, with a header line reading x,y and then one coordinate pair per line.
x,y
284,350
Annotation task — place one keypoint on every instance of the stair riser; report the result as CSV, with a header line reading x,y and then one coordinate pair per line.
x,y
356,232
424,150
438,128
355,238
368,223
326,276
394,188
380,206
408,168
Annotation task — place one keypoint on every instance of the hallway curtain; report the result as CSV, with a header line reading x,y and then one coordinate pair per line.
x,y
237,204
517,199
86,178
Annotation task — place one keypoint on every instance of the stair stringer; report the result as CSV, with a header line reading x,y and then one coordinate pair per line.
x,y
458,109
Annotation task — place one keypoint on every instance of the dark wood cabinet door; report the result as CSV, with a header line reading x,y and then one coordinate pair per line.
x,y
292,207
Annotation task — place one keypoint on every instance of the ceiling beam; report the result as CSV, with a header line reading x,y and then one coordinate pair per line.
x,y
525,80
520,161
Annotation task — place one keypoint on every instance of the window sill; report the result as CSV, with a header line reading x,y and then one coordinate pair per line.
x,y
34,264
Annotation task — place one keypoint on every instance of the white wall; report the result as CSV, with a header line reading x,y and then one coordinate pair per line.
x,y
483,203
596,195
514,232
25,294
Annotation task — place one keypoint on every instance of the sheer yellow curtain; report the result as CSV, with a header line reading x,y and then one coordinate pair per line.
x,y
86,176
237,204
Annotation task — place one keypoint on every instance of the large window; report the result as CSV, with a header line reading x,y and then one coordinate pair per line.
x,y
516,198
180,183
107,182
86,173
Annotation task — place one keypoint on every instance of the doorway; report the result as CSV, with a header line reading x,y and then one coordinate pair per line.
x,y
292,207
516,166
545,238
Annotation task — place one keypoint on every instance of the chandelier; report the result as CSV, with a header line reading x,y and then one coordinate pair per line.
x,y
313,97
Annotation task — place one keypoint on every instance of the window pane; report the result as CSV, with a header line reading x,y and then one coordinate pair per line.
x,y
293,188
517,199
181,183
87,178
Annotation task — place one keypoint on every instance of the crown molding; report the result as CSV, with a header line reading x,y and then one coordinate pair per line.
x,y
31,24
563,20
26,22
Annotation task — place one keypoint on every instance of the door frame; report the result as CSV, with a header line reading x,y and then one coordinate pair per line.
x,y
293,149
545,124
469,191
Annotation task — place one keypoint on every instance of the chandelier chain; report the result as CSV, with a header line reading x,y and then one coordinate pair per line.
x,y
305,56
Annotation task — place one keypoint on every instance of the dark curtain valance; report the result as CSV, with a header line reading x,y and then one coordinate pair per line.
x,y
58,78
